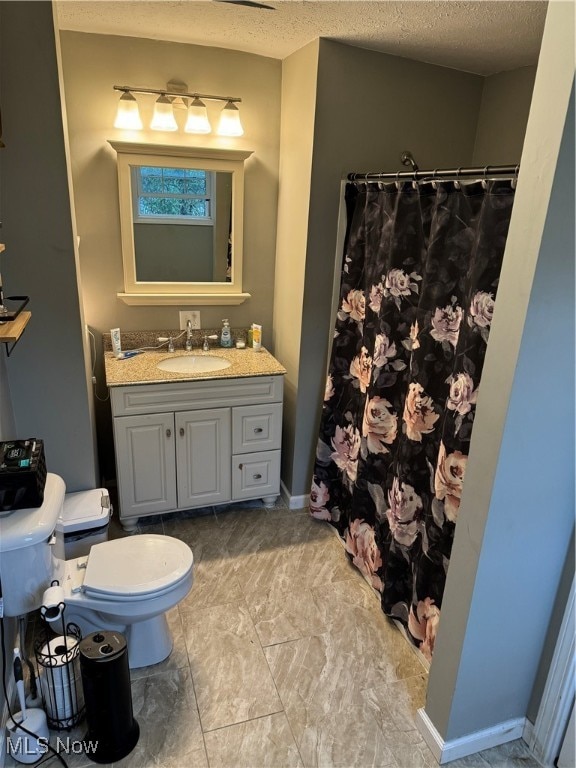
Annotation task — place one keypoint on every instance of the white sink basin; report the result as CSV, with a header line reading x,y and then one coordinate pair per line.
x,y
194,364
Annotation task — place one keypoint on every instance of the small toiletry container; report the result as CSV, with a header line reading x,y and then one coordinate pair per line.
x,y
256,337
225,335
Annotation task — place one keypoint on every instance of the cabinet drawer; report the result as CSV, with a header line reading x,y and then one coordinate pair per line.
x,y
256,428
256,474
195,395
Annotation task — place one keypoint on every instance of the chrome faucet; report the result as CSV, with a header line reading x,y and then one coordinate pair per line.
x,y
188,345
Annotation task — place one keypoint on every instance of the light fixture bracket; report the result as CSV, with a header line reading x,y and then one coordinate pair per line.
x,y
183,94
175,86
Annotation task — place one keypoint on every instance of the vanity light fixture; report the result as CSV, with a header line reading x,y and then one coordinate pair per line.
x,y
163,118
128,116
197,121
230,124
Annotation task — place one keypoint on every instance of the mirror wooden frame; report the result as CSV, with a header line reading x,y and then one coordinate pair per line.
x,y
206,158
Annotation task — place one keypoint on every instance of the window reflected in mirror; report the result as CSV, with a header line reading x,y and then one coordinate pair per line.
x,y
185,214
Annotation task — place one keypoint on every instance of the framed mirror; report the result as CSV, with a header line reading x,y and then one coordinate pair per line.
x,y
181,216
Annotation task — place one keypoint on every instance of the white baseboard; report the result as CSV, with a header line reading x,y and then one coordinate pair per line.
x,y
294,502
445,751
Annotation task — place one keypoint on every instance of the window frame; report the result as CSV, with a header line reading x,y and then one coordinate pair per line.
x,y
138,193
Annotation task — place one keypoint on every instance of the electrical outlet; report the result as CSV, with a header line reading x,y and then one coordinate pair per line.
x,y
190,314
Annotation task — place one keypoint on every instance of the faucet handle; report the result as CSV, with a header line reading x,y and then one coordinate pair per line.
x,y
169,339
206,344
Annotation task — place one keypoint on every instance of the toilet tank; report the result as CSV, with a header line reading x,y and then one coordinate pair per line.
x,y
31,550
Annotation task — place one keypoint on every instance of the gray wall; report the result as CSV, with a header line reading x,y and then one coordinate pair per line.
x,y
517,512
504,110
299,78
47,370
7,422
174,253
92,64
368,91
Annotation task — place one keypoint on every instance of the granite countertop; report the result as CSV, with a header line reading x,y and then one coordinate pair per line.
x,y
142,368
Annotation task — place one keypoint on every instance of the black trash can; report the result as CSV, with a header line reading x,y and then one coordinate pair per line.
x,y
112,730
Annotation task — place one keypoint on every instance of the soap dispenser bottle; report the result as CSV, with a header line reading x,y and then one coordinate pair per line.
x,y
225,335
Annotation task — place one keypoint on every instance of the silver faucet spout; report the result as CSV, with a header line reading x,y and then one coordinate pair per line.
x,y
188,345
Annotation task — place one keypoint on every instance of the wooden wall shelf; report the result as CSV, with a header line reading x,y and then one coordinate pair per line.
x,y
10,332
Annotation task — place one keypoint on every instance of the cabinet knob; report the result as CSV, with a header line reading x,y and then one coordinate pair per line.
x,y
168,433
182,432
257,430
257,477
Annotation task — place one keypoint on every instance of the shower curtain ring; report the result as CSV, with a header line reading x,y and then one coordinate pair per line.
x,y
457,182
485,180
397,182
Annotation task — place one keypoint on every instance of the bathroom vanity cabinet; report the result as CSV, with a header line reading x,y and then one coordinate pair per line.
x,y
196,443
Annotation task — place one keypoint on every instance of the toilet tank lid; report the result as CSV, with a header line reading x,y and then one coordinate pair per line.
x,y
84,510
28,527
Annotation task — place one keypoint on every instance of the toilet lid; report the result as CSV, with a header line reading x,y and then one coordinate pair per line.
x,y
137,565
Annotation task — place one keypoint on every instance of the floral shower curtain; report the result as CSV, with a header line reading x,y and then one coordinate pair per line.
x,y
419,280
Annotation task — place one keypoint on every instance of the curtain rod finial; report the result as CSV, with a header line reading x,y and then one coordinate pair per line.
x,y
406,158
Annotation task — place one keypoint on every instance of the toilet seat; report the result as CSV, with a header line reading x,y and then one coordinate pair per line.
x,y
136,568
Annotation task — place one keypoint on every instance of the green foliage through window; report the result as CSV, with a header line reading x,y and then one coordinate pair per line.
x,y
173,193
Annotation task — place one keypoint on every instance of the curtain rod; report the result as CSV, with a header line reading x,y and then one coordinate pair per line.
x,y
457,173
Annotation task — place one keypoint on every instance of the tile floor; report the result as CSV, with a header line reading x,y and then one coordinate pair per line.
x,y
282,658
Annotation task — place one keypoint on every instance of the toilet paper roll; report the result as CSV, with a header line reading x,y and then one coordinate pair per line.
x,y
52,604
60,679
58,651
65,700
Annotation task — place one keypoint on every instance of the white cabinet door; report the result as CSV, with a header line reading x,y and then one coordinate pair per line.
x,y
203,457
145,460
256,474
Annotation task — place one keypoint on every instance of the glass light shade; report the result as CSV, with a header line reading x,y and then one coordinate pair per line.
x,y
197,121
163,118
128,115
230,124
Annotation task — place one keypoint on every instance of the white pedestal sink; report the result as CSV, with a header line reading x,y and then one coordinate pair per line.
x,y
194,364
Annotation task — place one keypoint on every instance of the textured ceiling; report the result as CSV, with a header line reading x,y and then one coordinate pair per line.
x,y
481,37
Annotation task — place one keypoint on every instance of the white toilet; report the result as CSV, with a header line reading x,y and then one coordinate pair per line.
x,y
125,585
